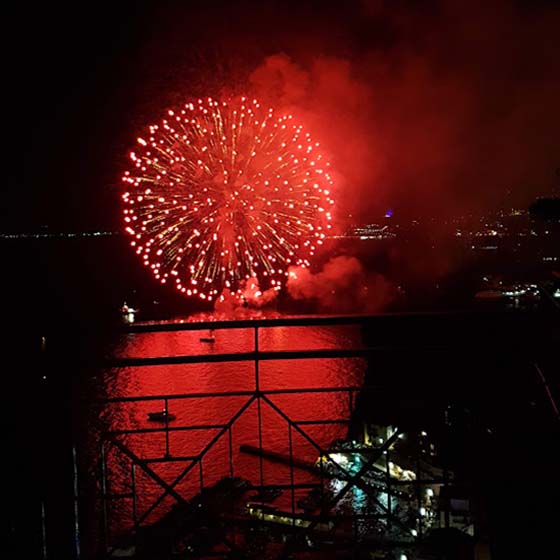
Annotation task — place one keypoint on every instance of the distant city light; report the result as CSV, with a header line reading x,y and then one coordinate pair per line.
x,y
56,235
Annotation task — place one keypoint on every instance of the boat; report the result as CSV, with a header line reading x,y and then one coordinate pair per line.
x,y
210,338
128,313
161,416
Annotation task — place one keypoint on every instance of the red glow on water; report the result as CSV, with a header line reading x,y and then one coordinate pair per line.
x,y
224,377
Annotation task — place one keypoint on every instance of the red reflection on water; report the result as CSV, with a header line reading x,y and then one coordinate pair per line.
x,y
222,455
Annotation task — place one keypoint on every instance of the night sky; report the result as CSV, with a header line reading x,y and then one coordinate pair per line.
x,y
433,108
443,108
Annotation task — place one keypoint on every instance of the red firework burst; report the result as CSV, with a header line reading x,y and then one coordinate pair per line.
x,y
221,192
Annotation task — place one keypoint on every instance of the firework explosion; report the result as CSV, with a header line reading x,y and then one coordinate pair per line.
x,y
224,192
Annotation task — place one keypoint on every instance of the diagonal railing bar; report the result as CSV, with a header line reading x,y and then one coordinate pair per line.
x,y
317,446
223,427
377,453
546,386
142,464
306,436
388,513
356,480
352,480
295,423
138,521
187,469
365,350
322,452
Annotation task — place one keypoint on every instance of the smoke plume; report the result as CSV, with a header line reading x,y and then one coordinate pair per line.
x,y
434,109
250,298
441,110
342,286
431,108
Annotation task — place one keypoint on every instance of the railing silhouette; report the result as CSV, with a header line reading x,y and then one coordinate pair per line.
x,y
394,532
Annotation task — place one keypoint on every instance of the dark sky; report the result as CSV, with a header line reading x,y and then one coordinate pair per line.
x,y
444,107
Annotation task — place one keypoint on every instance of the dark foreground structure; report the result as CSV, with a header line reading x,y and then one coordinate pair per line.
x,y
452,448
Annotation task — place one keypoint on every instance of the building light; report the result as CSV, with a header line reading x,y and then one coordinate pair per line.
x,y
338,458
429,493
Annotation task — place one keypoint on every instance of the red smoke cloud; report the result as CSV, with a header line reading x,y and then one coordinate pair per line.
x,y
458,110
431,107
250,298
333,105
342,286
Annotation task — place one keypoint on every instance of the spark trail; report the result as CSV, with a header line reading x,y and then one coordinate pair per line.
x,y
220,192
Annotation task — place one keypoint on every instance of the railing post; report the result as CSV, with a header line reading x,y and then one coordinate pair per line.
x,y
388,473
166,409
419,494
256,350
76,505
104,500
292,472
230,438
445,454
44,549
259,413
133,487
388,470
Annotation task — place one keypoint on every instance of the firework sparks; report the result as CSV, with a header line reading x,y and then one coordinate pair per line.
x,y
223,192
